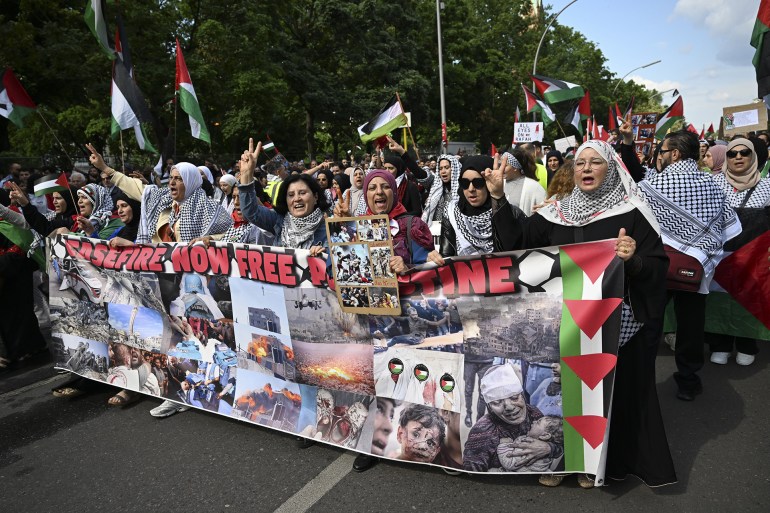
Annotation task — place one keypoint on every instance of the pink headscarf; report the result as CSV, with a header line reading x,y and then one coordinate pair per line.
x,y
718,155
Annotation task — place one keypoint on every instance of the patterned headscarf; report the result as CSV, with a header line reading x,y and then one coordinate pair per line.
x,y
617,194
437,189
102,204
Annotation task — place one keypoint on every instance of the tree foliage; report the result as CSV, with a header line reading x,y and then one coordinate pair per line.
x,y
305,73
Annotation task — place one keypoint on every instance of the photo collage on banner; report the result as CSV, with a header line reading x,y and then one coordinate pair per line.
x,y
459,375
361,249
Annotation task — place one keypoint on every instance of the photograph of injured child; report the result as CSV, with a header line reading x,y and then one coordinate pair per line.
x,y
419,433
424,324
513,435
341,418
352,264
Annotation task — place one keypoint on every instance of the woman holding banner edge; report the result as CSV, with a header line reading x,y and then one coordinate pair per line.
x,y
605,204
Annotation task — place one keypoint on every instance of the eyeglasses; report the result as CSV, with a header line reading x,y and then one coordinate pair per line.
x,y
733,153
661,152
478,183
594,163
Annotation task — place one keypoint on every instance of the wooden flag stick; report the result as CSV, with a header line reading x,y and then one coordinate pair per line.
x,y
57,139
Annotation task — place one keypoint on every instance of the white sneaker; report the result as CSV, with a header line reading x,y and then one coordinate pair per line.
x,y
720,358
670,339
744,359
168,408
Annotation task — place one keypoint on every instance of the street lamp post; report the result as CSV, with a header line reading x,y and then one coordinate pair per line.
x,y
624,76
439,5
542,38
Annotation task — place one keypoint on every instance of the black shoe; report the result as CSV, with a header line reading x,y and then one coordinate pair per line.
x,y
304,443
689,394
468,420
364,462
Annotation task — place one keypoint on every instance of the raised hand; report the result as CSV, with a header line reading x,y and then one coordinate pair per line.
x,y
625,246
627,131
17,195
249,161
96,158
395,147
495,180
342,208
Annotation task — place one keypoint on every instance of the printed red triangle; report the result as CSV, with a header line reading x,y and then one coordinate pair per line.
x,y
590,314
591,368
592,258
590,427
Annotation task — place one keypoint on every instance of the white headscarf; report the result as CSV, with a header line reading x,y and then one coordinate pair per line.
x,y
206,171
437,189
228,179
617,194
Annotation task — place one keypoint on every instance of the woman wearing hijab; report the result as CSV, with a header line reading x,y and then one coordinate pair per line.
x,y
128,212
95,219
354,196
407,192
715,158
412,240
297,220
744,189
443,190
553,161
180,212
63,215
226,187
466,228
521,186
605,203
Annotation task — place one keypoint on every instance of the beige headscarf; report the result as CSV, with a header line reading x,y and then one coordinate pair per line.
x,y
750,177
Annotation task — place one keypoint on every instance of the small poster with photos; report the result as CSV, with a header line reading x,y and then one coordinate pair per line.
x,y
361,249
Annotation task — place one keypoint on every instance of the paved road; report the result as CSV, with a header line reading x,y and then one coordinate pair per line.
x,y
79,455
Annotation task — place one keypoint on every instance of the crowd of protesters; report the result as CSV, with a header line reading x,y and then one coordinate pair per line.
x,y
684,197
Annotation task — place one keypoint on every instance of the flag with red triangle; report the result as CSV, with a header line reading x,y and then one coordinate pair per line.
x,y
580,112
493,150
629,108
188,100
668,118
535,104
710,131
15,103
554,91
612,122
691,128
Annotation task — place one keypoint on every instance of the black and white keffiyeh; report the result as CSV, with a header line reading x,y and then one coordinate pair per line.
x,y
435,207
512,161
102,204
693,214
475,231
617,194
197,214
297,232
760,196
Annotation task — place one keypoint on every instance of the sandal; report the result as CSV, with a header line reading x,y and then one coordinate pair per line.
x,y
123,398
551,480
585,481
67,391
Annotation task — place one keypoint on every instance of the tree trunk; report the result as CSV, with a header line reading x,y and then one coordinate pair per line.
x,y
310,134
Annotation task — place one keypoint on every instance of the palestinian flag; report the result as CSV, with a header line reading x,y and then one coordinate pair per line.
x,y
390,117
123,114
710,131
612,121
535,104
702,134
447,383
51,183
761,58
187,98
594,128
691,128
421,372
396,366
555,91
15,103
668,118
581,111
592,290
95,20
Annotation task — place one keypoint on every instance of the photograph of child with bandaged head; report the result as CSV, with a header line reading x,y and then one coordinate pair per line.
x,y
512,436
416,432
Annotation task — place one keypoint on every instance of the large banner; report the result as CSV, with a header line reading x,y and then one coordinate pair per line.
x,y
501,363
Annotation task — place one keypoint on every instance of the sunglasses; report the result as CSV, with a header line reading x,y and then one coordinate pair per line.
x,y
478,183
744,153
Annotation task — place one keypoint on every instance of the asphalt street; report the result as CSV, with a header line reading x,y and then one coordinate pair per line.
x,y
81,455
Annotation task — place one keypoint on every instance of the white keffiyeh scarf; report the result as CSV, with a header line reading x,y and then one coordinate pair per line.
x,y
102,204
434,203
297,232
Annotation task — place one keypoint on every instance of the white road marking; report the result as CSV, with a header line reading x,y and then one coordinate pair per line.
x,y
319,486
